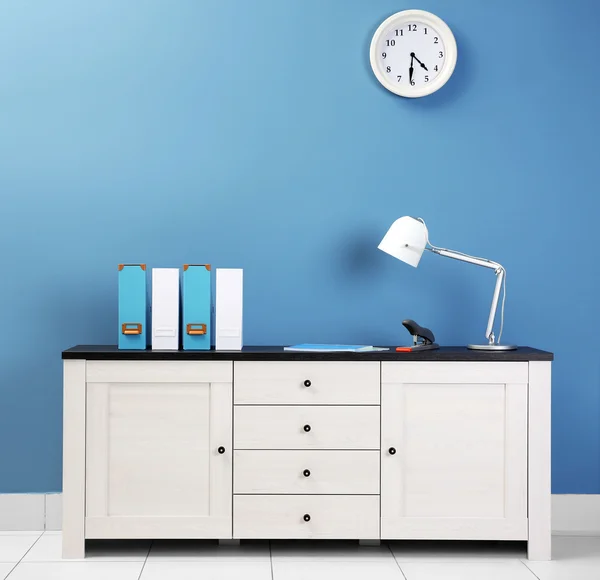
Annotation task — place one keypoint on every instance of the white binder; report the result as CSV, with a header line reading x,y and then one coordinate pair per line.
x,y
165,308
229,309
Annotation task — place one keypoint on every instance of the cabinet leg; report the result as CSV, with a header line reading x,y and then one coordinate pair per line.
x,y
73,548
539,546
540,550
73,497
369,542
229,542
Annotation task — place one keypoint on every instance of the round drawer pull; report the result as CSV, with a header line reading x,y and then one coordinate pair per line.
x,y
306,473
307,428
307,383
221,450
306,517
392,451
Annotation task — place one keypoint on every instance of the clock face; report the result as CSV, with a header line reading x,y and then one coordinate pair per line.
x,y
413,53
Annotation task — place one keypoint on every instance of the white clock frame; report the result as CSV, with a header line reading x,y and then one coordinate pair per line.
x,y
427,18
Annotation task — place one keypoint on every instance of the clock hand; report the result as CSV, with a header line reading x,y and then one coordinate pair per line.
x,y
411,70
422,65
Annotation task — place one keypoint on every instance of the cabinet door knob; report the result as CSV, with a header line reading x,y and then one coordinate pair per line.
x,y
307,428
392,451
307,383
306,473
306,517
221,450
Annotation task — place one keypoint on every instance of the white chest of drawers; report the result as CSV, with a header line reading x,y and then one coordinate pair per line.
x,y
303,429
450,444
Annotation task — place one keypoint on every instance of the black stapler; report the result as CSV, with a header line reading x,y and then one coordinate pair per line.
x,y
423,338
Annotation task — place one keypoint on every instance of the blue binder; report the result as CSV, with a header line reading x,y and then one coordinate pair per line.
x,y
196,301
133,308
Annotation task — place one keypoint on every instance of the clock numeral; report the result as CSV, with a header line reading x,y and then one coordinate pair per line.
x,y
436,40
413,83
425,30
399,78
435,68
441,54
399,32
412,27
390,43
426,78
384,54
388,69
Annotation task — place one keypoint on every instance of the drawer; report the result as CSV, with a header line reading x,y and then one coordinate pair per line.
x,y
158,371
446,373
306,472
278,427
337,517
307,383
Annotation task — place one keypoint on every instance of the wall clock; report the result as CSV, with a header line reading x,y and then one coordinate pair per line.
x,y
413,53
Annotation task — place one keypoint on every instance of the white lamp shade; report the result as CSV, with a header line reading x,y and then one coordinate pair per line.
x,y
406,240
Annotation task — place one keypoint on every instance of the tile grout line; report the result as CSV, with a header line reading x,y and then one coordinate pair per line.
x,y
147,556
528,568
397,564
23,556
271,560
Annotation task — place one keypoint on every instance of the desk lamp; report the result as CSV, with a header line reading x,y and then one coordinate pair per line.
x,y
408,238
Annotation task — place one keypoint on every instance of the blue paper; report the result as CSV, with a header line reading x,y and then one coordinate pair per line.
x,y
332,348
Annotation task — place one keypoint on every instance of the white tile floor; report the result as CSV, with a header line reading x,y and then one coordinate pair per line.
x,y
36,556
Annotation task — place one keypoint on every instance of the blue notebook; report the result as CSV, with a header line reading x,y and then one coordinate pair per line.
x,y
332,348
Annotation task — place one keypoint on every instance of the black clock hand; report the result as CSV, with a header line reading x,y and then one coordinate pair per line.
x,y
411,70
422,65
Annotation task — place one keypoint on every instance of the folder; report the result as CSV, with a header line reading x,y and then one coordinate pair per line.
x,y
165,308
132,306
334,348
229,309
196,307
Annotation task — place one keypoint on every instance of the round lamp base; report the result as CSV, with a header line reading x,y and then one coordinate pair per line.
x,y
492,346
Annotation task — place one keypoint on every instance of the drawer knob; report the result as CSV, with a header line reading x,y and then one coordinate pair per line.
x,y
307,383
306,517
307,428
306,473
392,451
221,450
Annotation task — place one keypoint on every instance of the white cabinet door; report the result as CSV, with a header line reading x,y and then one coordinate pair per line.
x,y
159,454
454,451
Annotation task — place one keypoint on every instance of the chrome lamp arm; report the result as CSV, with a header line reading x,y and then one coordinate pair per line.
x,y
500,278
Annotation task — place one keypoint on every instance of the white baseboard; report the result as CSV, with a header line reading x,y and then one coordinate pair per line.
x,y
572,515
53,518
576,515
30,511
22,511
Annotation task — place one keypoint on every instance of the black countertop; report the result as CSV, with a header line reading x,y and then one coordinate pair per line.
x,y
276,353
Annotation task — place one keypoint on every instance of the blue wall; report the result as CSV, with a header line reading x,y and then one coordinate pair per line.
x,y
254,135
